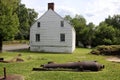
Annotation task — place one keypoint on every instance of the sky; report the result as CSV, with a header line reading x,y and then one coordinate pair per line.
x,y
92,10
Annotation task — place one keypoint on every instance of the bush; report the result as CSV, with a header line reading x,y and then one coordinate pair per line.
x,y
95,52
106,50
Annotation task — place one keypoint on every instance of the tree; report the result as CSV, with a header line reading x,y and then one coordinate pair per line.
x,y
104,34
114,21
26,18
68,18
32,15
87,34
23,20
8,20
117,37
79,23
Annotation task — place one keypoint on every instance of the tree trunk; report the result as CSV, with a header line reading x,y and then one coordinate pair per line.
x,y
77,42
0,44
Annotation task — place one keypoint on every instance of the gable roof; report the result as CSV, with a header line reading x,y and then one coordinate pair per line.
x,y
57,15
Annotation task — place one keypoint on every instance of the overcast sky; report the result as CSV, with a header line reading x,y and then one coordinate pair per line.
x,y
92,10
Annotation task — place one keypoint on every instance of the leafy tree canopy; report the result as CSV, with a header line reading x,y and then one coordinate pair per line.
x,y
9,21
114,21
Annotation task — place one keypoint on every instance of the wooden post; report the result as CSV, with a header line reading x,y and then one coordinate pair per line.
x,y
0,45
4,73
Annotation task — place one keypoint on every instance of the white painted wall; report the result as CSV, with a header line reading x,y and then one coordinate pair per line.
x,y
50,30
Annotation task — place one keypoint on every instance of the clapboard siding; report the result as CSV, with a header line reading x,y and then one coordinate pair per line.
x,y
50,30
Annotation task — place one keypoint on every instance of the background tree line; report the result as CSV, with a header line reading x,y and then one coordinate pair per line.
x,y
15,20
89,35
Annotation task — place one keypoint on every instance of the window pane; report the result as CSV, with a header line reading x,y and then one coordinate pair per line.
x,y
62,23
37,37
38,24
62,37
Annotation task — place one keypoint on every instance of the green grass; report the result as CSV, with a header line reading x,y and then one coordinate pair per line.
x,y
111,71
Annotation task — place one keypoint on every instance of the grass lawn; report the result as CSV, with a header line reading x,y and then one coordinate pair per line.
x,y
111,71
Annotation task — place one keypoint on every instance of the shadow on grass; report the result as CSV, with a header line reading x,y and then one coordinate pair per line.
x,y
69,70
25,50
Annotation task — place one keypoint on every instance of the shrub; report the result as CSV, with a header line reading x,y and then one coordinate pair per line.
x,y
95,52
106,50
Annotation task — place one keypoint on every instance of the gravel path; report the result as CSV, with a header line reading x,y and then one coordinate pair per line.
x,y
15,47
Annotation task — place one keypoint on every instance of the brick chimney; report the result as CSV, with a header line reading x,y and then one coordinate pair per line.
x,y
51,6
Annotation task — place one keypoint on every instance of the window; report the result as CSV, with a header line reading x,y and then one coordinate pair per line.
x,y
62,23
62,37
38,24
37,37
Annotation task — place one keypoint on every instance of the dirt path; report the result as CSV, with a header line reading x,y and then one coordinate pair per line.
x,y
15,47
13,77
114,59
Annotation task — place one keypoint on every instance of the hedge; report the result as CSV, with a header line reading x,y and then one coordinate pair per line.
x,y
106,50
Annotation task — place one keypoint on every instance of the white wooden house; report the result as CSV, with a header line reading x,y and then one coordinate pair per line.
x,y
51,33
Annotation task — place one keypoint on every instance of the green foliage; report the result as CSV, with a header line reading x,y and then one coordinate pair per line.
x,y
111,71
114,21
26,18
117,36
32,15
104,34
8,20
15,20
107,41
23,19
87,34
84,32
79,23
68,18
107,50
